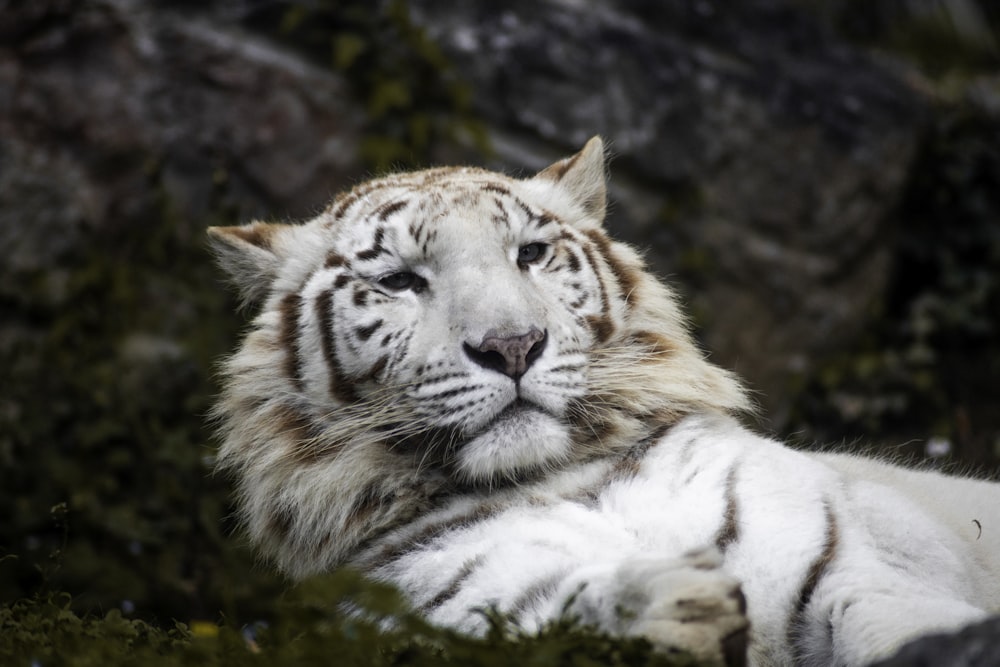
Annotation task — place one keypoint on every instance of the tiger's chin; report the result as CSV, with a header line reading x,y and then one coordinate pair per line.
x,y
519,441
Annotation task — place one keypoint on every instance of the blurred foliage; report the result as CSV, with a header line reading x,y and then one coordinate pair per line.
x,y
413,96
931,364
105,460
308,628
943,37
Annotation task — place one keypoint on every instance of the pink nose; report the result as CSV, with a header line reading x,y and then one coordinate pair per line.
x,y
510,355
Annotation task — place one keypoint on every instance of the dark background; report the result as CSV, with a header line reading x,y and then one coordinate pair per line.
x,y
820,180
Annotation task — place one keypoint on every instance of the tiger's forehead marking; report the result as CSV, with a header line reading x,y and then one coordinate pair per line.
x,y
422,205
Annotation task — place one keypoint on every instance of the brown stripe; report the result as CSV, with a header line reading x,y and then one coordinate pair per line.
x,y
797,620
625,468
296,427
573,261
557,171
543,220
626,277
601,327
340,388
376,249
454,586
528,213
334,260
346,201
658,344
385,210
258,234
497,188
729,531
288,337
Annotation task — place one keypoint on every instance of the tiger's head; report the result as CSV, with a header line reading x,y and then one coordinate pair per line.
x,y
441,329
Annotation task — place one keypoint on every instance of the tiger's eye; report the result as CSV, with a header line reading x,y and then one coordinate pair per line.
x,y
531,253
399,281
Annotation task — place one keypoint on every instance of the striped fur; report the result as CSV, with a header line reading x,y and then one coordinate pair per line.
x,y
459,383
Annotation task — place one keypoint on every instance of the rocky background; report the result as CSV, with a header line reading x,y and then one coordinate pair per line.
x,y
820,179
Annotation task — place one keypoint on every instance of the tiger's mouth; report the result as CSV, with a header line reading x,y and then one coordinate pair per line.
x,y
523,437
517,410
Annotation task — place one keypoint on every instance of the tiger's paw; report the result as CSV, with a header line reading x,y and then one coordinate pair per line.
x,y
688,604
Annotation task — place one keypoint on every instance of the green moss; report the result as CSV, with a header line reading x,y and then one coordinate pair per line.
x,y
413,96
309,627
942,41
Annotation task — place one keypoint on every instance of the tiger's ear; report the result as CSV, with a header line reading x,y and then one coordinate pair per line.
x,y
248,255
583,176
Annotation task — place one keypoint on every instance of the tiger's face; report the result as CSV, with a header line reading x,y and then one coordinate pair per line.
x,y
460,303
439,329
468,299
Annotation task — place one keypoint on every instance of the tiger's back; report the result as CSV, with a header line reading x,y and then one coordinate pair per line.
x,y
459,383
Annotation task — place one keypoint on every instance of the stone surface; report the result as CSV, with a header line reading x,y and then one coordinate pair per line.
x,y
755,157
110,107
755,154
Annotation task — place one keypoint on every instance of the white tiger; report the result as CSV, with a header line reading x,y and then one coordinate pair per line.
x,y
459,384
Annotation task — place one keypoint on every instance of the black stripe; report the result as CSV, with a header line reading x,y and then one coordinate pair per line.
x,y
376,369
364,333
423,538
340,387
601,324
376,249
288,336
454,586
439,378
450,393
818,568
729,531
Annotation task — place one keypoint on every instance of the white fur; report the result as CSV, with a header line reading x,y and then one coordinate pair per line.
x,y
610,480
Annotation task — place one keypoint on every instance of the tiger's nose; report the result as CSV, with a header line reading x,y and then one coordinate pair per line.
x,y
510,355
